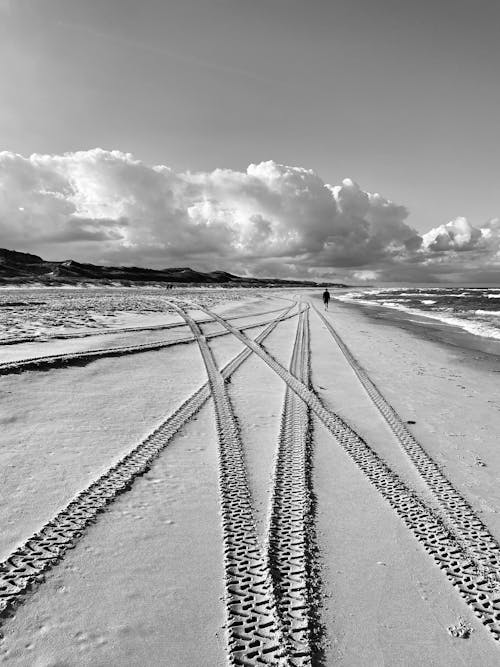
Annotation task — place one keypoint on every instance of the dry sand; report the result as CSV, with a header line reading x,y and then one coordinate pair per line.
x,y
147,582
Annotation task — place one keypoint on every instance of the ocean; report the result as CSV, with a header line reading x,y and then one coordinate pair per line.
x,y
472,309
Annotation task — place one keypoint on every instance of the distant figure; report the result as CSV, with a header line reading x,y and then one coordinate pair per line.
x,y
326,298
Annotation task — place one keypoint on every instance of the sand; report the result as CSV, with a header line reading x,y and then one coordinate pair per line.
x,y
147,581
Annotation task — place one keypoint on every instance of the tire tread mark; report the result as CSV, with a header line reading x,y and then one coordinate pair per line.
x,y
123,330
86,356
254,632
475,537
289,537
24,568
428,527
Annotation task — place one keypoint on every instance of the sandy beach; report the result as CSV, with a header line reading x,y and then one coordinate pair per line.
x,y
241,477
249,334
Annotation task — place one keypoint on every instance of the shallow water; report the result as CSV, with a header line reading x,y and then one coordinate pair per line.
x,y
476,310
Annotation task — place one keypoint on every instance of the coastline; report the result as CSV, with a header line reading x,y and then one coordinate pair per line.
x,y
447,395
147,541
475,348
443,383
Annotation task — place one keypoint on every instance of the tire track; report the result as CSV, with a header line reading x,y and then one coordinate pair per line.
x,y
80,358
24,568
291,544
478,589
475,537
124,330
254,632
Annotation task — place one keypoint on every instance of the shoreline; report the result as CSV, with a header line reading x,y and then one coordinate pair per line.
x,y
446,395
146,541
447,389
473,348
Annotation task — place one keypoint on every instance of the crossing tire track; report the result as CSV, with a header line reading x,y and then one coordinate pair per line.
x,y
254,632
81,358
477,587
474,536
124,330
291,543
25,567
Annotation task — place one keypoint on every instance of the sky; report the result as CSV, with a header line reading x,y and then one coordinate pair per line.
x,y
352,139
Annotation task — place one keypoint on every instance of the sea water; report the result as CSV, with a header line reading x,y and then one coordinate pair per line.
x,y
473,309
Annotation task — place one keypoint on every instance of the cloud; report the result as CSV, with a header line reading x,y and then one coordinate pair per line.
x,y
107,206
458,251
366,276
457,235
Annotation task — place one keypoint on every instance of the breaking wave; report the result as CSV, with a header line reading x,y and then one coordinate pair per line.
x,y
473,309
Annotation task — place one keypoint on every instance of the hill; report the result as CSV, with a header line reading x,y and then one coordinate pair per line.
x,y
23,268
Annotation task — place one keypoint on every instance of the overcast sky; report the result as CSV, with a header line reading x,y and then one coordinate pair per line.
x,y
401,97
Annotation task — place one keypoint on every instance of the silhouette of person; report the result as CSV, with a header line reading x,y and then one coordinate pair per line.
x,y
326,298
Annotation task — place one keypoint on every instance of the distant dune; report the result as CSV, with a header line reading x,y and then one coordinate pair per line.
x,y
24,268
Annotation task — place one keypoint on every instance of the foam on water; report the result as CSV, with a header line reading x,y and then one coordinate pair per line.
x,y
470,308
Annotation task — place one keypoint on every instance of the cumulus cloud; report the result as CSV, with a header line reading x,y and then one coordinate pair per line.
x,y
457,234
458,251
107,206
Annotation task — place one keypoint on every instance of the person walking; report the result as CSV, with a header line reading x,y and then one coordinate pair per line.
x,y
326,298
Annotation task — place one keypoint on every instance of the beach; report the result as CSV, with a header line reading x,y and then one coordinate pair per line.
x,y
241,475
